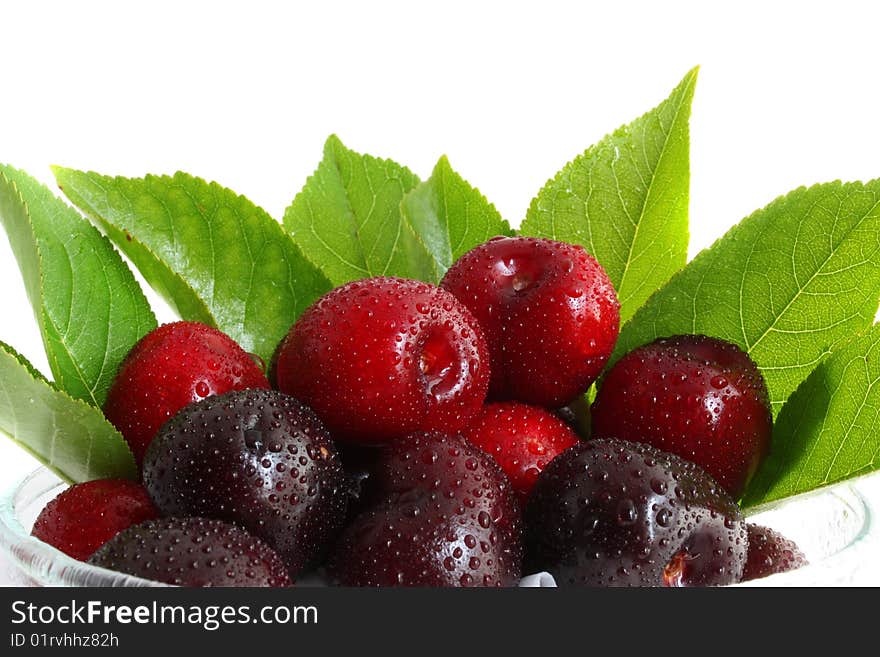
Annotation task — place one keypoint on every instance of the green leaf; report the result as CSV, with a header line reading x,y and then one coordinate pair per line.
x,y
69,436
450,216
215,256
625,200
788,284
89,308
829,429
347,218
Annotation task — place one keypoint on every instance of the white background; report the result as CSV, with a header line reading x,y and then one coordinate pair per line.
x,y
245,93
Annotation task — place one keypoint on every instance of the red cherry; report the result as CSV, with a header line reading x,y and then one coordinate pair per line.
x,y
522,439
383,357
549,313
698,397
172,366
87,515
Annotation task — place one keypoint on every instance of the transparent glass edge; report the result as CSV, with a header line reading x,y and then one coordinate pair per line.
x,y
41,563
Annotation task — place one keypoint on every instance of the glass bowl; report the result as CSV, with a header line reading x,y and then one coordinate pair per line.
x,y
833,527
34,563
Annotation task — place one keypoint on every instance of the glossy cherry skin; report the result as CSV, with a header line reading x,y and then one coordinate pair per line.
x,y
549,312
87,515
422,538
192,552
523,439
170,367
441,513
454,468
615,513
770,553
380,358
258,458
698,397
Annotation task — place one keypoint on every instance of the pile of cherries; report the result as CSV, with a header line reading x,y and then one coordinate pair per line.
x,y
415,435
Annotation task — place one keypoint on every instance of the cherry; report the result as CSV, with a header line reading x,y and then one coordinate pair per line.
x,y
770,553
170,367
548,310
258,458
421,539
87,515
442,514
522,439
698,397
453,467
383,357
192,552
614,513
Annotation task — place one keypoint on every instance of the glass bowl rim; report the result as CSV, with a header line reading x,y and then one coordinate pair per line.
x,y
54,567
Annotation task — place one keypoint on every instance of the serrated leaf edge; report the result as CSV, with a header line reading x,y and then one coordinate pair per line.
x,y
444,160
595,152
40,314
333,141
104,225
758,506
730,235
39,378
604,143
178,177
291,233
